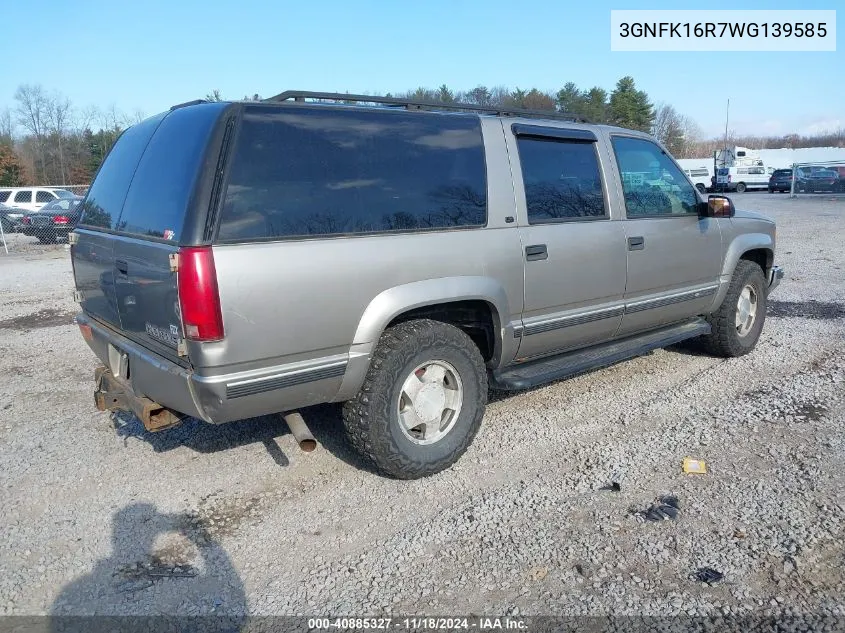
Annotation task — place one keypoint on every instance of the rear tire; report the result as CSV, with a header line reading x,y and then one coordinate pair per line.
x,y
407,424
737,324
701,188
740,187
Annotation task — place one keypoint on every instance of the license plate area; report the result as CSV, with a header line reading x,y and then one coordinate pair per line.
x,y
118,362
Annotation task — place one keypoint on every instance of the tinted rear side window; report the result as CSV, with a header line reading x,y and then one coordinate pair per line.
x,y
562,180
4,195
165,179
23,196
327,171
105,198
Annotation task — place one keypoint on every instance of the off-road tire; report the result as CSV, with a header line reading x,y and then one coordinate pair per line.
x,y
372,419
724,339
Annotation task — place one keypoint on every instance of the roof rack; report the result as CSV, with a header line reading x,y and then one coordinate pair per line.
x,y
298,95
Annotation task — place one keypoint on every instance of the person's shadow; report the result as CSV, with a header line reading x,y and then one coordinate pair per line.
x,y
165,573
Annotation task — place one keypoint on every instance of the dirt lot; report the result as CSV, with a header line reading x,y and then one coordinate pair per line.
x,y
100,516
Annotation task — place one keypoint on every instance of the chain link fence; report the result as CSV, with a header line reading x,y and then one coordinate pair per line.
x,y
813,178
24,230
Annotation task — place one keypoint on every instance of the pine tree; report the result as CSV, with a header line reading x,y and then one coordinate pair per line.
x,y
630,107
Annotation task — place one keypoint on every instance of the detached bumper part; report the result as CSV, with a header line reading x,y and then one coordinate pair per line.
x,y
775,276
112,394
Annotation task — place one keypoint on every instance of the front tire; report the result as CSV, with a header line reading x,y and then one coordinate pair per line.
x,y
740,188
422,400
737,324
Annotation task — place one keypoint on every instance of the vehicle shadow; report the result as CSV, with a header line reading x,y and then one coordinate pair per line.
x,y
165,572
324,421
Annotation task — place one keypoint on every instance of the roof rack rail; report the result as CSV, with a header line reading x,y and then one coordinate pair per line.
x,y
298,95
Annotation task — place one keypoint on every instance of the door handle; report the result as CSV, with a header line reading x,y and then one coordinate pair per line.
x,y
636,243
536,252
122,266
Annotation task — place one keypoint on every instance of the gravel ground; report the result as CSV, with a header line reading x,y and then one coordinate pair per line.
x,y
101,517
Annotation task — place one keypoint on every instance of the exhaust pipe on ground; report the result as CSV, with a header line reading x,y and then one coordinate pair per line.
x,y
300,432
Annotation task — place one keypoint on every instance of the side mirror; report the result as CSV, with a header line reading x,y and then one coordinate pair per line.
x,y
719,207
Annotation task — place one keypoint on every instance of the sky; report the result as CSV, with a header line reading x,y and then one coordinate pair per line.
x,y
146,56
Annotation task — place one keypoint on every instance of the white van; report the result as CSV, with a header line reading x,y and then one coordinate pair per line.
x,y
31,198
744,178
701,177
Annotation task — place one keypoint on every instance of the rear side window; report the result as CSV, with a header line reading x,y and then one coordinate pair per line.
x,y
4,195
44,196
562,180
24,196
327,171
105,198
164,180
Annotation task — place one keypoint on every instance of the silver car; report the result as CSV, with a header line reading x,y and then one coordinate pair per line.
x,y
240,259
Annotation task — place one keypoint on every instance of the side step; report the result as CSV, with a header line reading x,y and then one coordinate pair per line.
x,y
541,371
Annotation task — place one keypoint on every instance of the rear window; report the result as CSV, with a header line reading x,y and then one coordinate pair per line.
x,y
164,180
146,181
782,172
327,171
105,198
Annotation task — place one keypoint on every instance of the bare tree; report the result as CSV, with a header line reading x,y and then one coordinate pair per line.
x,y
138,116
32,115
58,116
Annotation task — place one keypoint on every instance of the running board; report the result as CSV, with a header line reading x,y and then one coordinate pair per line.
x,y
544,370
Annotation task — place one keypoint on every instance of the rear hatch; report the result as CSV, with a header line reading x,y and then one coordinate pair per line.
x,y
144,203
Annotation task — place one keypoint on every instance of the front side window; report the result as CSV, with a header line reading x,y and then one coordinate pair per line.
x,y
323,170
562,179
23,196
652,183
44,196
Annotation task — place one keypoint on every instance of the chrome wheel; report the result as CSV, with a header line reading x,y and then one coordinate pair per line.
x,y
746,310
430,402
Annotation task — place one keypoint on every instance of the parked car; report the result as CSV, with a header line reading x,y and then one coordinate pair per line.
x,y
55,220
781,180
31,198
817,179
10,217
240,259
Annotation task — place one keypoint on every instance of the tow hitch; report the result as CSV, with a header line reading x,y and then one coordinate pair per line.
x,y
111,394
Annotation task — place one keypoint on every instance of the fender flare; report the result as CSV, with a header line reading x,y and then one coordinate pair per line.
x,y
391,303
740,245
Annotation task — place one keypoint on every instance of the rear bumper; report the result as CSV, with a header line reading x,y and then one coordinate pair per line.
x,y
150,375
775,276
217,398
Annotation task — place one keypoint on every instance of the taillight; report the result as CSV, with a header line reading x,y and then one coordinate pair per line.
x,y
60,219
199,299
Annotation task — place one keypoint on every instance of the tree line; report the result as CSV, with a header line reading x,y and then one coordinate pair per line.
x,y
45,139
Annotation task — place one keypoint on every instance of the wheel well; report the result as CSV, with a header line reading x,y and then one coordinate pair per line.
x,y
474,317
763,257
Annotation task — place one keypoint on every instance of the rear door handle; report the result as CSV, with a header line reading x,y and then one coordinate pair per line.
x,y
536,252
122,266
636,243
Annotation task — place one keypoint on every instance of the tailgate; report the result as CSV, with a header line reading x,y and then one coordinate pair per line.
x,y
141,207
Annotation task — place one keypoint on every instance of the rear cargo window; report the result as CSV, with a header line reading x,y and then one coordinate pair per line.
x,y
105,198
164,180
327,171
